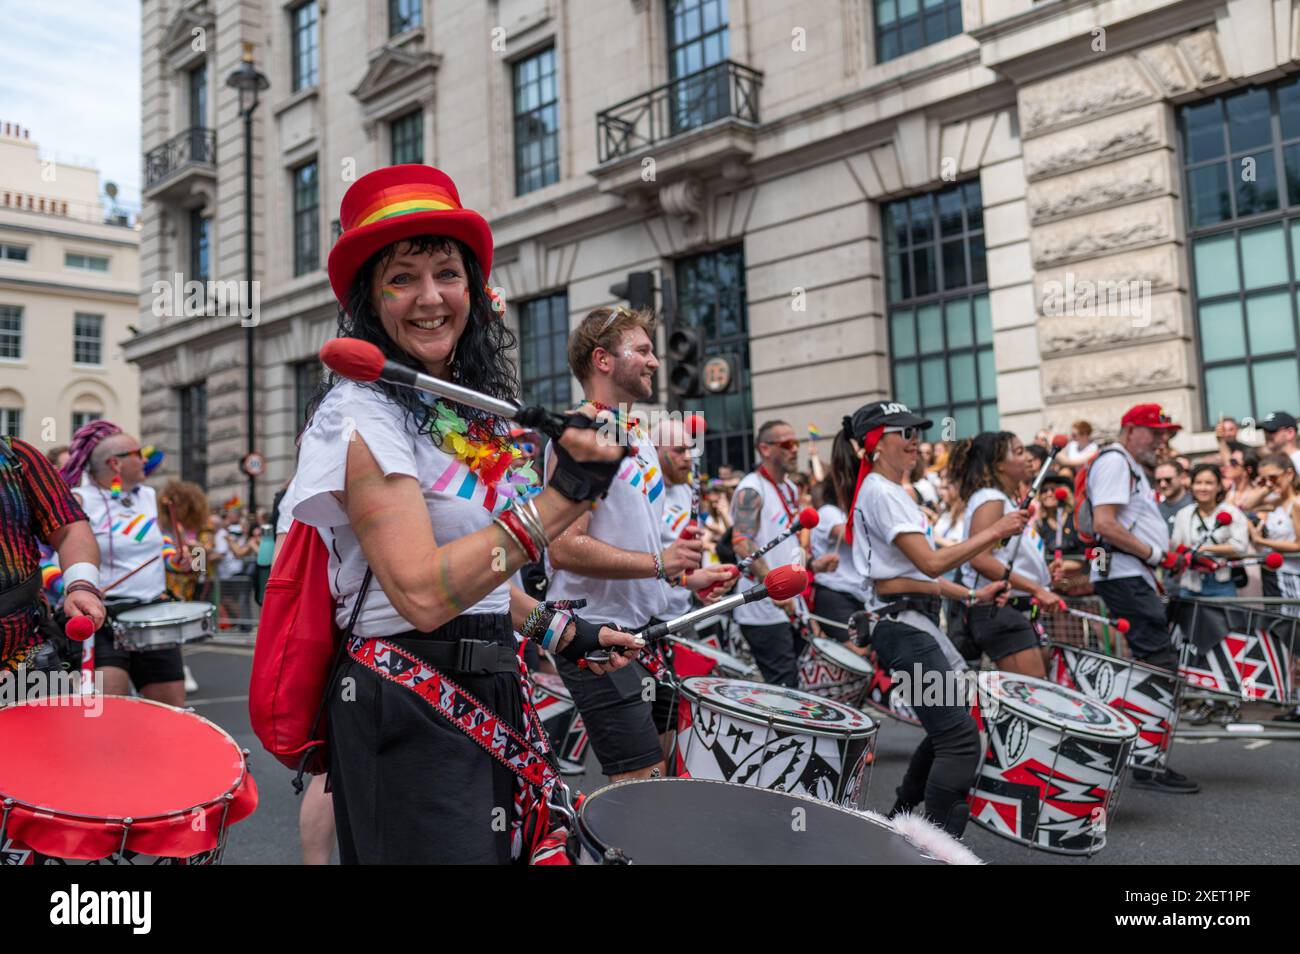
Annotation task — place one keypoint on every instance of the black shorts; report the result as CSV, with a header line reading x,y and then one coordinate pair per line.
x,y
832,604
1000,631
1133,598
625,712
145,667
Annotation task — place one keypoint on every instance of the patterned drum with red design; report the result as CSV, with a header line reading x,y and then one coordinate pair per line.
x,y
1053,763
830,669
1148,695
772,737
885,697
562,722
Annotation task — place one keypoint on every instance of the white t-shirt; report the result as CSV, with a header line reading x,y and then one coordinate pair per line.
x,y
128,534
677,514
882,511
453,495
1110,481
229,565
946,529
773,519
629,517
1073,451
845,578
1192,529
1280,527
1031,559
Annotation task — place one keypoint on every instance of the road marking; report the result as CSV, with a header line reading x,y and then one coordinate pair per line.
x,y
215,701
1194,741
1258,743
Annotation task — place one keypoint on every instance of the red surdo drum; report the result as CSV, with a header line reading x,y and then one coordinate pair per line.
x,y
117,781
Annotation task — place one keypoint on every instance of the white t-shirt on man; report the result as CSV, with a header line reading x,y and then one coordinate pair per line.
x,y
1111,481
773,520
127,532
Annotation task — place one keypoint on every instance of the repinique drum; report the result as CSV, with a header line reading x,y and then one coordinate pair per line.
x,y
885,697
693,658
165,625
562,722
1253,665
684,821
1053,764
751,733
830,669
1148,695
133,782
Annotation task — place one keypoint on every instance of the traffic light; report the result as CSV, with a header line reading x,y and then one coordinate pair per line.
x,y
638,290
686,351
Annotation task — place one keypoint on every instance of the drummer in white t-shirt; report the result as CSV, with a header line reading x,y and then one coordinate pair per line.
x,y
764,505
991,468
892,546
123,514
614,557
839,589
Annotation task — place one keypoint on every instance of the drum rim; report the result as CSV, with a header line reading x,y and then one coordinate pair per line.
x,y
1133,663
12,801
125,620
821,729
823,639
1076,728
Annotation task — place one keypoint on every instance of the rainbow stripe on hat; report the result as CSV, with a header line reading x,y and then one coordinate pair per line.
x,y
405,200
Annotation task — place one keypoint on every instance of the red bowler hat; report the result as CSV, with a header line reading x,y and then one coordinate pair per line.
x,y
1149,415
401,202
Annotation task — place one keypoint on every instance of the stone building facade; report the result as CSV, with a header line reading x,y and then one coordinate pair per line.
x,y
69,266
999,226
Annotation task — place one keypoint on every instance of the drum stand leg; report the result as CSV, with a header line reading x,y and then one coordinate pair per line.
x,y
220,850
126,830
4,819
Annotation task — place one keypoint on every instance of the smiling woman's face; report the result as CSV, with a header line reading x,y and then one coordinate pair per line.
x,y
422,299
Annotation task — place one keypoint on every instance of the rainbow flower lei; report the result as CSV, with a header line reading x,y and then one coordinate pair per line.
x,y
488,455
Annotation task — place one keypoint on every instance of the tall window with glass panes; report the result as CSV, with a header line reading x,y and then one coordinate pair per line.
x,y
940,328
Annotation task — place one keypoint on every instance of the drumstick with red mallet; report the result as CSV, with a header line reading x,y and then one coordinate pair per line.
x,y
695,427
805,519
359,360
782,583
1058,444
1120,623
1272,560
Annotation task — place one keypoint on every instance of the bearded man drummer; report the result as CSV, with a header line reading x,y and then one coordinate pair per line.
x,y
106,471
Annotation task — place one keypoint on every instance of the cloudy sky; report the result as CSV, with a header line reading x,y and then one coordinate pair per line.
x,y
70,72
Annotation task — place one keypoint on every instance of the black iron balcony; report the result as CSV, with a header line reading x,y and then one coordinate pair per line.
x,y
725,90
195,146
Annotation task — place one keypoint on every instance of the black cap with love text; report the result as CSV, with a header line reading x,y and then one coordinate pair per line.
x,y
883,414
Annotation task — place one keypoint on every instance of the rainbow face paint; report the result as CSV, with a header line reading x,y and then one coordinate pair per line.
x,y
388,293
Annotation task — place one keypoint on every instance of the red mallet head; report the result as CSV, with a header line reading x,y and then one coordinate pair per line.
x,y
79,628
1061,494
808,518
695,425
1121,624
1059,441
353,358
1273,561
785,582
1223,518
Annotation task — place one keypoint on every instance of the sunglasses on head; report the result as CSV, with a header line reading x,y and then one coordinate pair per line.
x,y
614,315
907,433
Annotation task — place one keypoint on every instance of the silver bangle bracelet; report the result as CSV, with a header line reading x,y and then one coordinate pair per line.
x,y
532,521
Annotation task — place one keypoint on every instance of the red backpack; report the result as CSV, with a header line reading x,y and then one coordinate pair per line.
x,y
297,647
1083,523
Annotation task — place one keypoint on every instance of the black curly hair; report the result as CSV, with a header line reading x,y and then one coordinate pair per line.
x,y
973,461
482,357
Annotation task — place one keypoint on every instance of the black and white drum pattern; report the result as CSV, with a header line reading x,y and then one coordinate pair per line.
x,y
772,737
834,671
1149,696
1053,764
562,722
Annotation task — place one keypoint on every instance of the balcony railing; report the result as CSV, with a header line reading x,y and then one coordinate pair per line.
x,y
98,213
195,146
725,90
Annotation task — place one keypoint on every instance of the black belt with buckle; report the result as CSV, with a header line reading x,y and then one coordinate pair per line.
x,y
475,657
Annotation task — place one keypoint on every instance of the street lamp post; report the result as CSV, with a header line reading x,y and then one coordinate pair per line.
x,y
249,82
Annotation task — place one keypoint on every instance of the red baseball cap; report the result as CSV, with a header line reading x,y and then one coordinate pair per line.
x,y
1149,415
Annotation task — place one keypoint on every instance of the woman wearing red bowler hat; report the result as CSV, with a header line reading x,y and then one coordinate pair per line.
x,y
426,517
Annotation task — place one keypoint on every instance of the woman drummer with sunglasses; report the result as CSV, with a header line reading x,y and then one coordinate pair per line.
x,y
893,548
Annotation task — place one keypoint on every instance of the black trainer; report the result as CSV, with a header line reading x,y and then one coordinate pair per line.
x,y
1292,716
1169,781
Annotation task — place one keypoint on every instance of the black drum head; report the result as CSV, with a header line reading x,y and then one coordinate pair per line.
x,y
681,821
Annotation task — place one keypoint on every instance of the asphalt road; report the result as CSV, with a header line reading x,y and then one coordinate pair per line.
x,y
1244,814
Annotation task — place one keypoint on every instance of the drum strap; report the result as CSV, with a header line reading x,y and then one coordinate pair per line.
x,y
22,596
528,755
